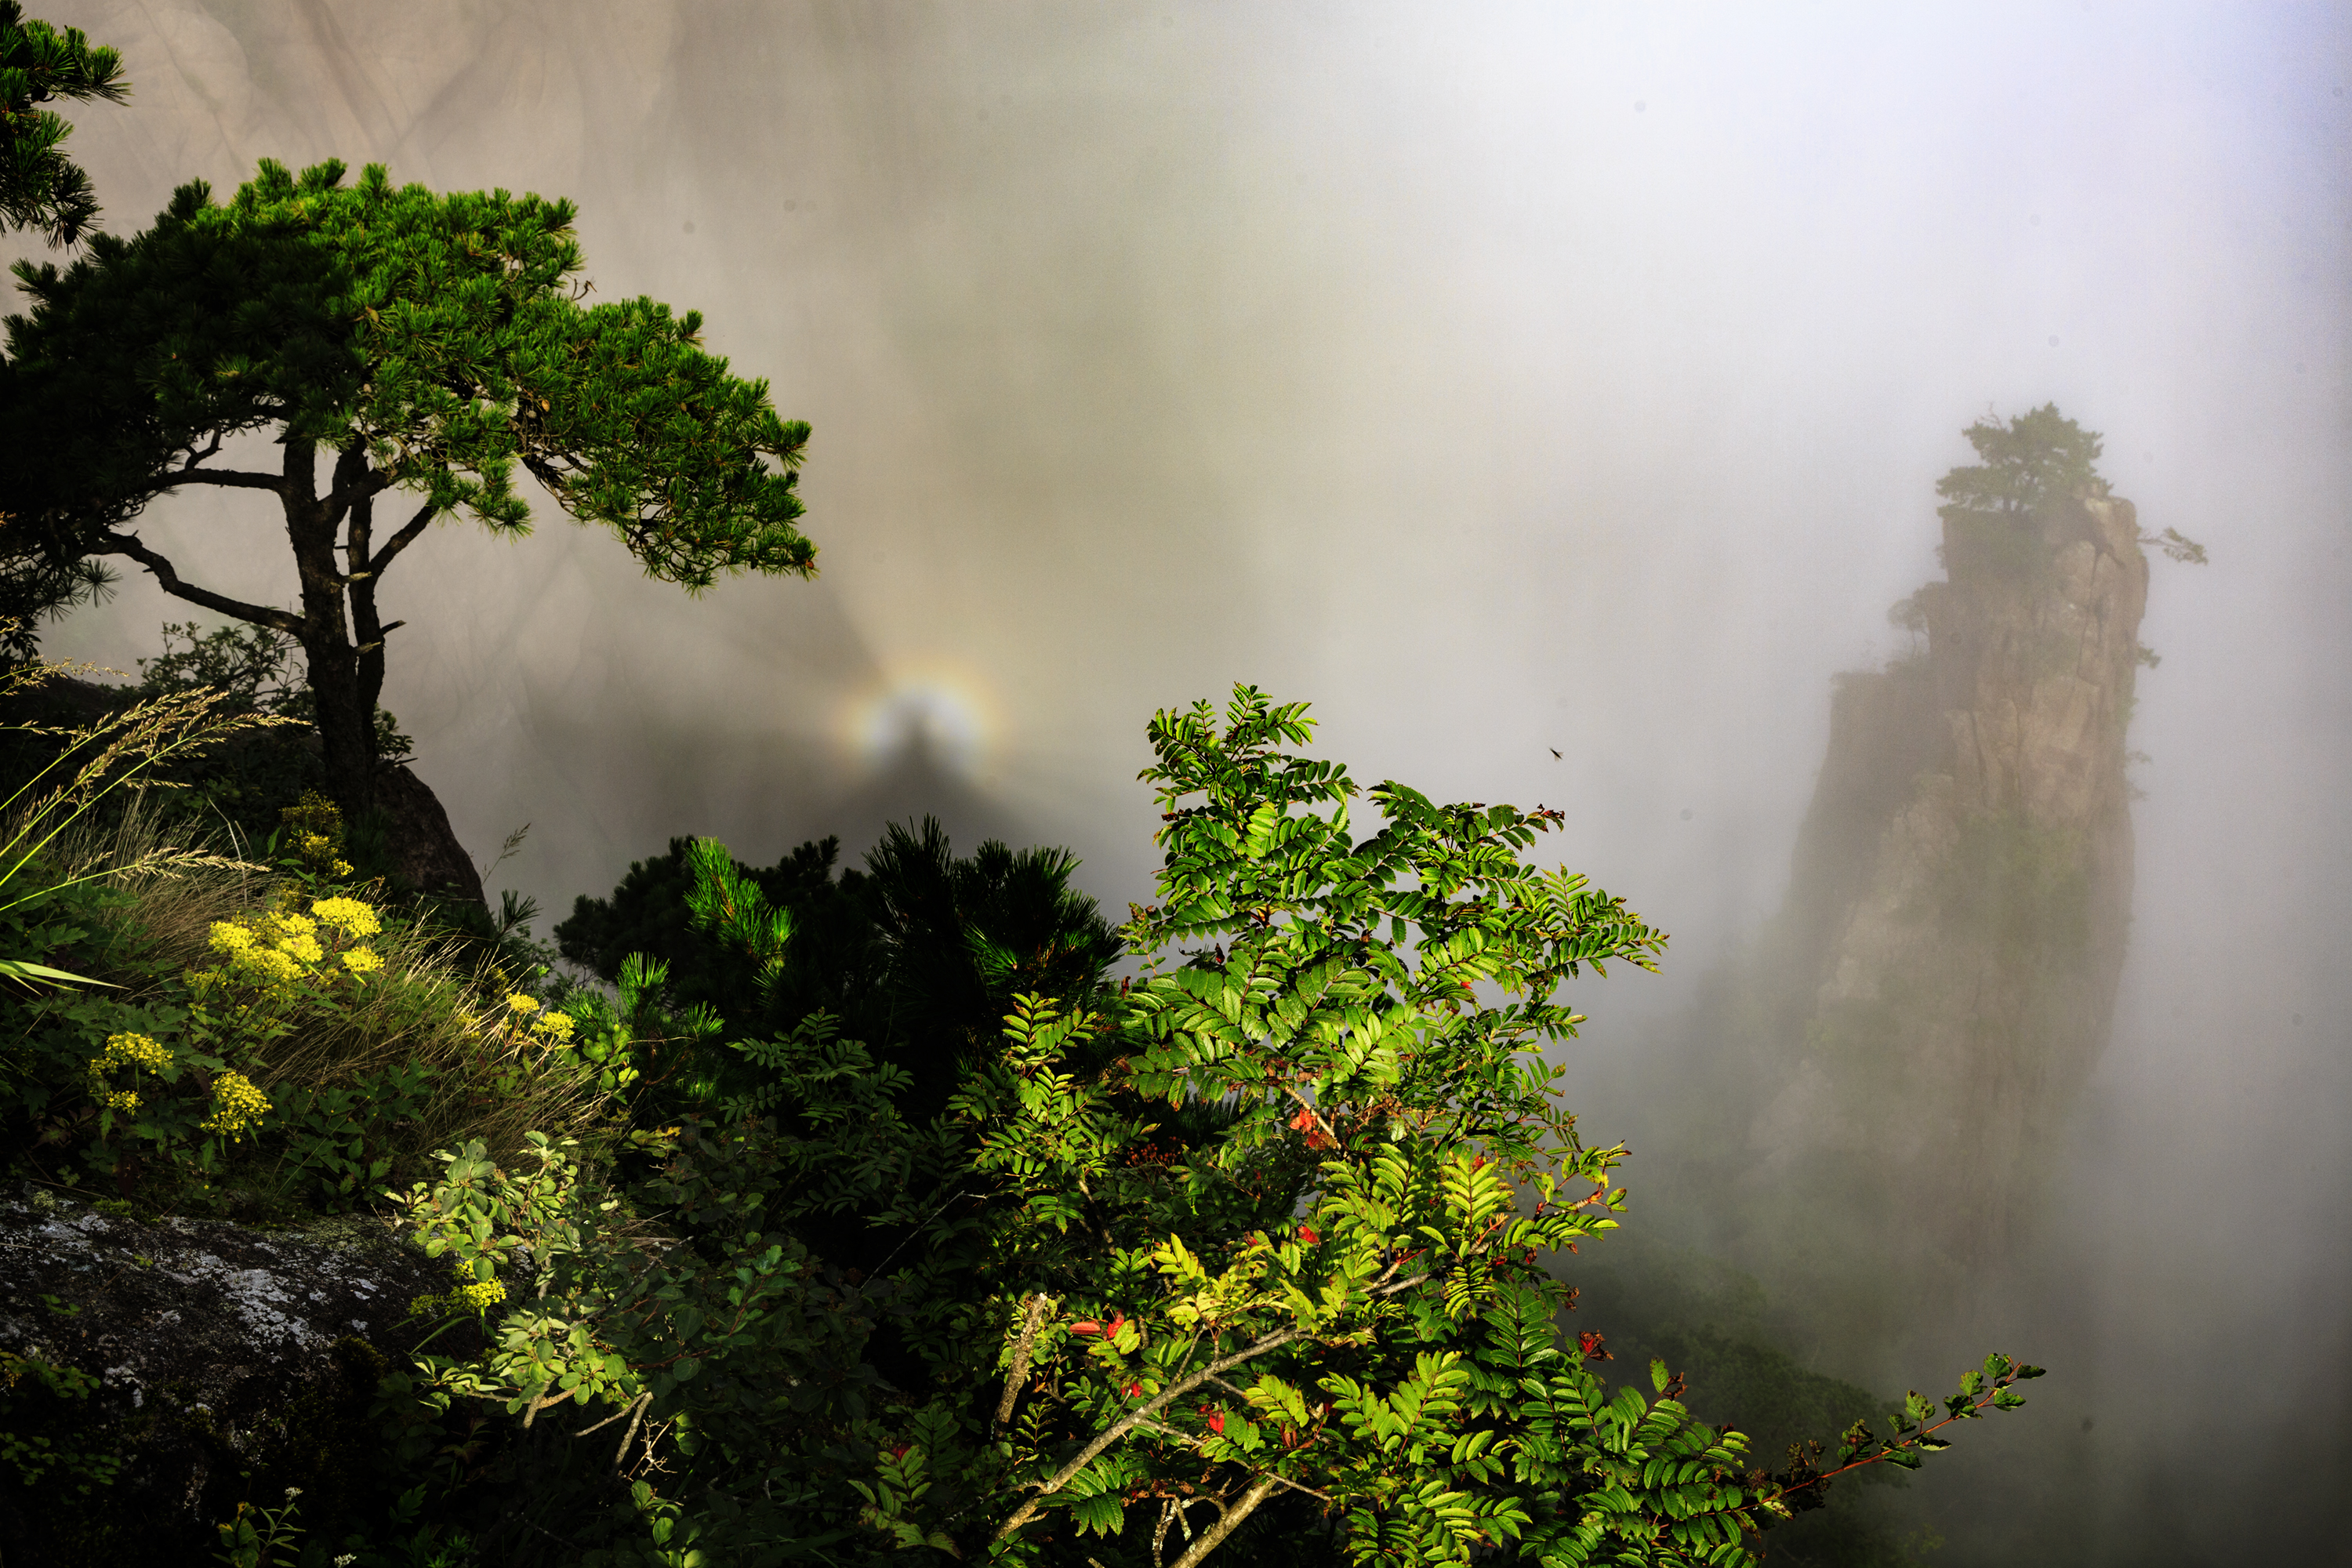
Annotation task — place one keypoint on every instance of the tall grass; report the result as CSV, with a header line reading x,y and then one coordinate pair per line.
x,y
88,819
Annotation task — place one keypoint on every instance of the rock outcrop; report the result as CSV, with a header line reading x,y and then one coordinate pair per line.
x,y
426,853
230,1362
1902,1045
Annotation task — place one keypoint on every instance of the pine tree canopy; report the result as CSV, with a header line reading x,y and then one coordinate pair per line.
x,y
2040,456
40,187
438,338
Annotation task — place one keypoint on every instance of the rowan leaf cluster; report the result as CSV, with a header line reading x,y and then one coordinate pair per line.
x,y
1258,1255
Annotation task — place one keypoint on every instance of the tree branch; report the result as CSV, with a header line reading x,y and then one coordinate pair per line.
x,y
354,482
401,540
1120,1428
234,479
168,579
1037,1305
1209,1540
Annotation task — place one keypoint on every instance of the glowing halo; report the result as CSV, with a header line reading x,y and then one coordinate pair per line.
x,y
943,710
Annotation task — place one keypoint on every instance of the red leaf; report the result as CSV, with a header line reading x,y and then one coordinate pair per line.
x,y
1590,1344
1217,1422
1306,1234
1085,1326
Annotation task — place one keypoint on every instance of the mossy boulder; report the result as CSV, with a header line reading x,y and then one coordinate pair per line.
x,y
218,1363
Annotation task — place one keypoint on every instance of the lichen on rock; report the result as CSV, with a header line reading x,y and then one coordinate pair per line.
x,y
232,1361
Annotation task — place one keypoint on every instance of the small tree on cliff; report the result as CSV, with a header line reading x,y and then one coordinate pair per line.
x,y
2034,460
420,342
2037,457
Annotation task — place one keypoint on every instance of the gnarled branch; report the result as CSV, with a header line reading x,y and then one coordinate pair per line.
x,y
167,577
234,478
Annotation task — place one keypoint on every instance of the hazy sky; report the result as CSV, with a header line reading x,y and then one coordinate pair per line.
x,y
1498,378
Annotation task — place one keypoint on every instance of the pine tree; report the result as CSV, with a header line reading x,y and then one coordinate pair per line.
x,y
418,342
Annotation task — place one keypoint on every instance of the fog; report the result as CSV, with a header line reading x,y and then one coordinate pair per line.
x,y
1500,381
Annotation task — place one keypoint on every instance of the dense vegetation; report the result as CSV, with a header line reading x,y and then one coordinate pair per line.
x,y
1257,1248
792,1213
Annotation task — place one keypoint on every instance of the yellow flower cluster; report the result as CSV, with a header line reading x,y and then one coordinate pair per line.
x,y
238,1106
349,916
553,1028
469,1295
275,951
480,1296
317,851
125,1050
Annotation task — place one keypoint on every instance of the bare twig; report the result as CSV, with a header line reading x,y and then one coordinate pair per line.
x,y
1021,1347
1210,1539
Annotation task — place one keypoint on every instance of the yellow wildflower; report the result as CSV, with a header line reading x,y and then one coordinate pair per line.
x,y
268,966
303,947
127,1050
362,961
481,1295
133,1050
556,1027
522,1003
349,916
238,1106
231,938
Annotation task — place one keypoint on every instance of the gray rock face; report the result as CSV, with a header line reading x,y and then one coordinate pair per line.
x,y
232,1361
1921,1016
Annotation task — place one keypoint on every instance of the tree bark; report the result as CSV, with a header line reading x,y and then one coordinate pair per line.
x,y
343,670
346,725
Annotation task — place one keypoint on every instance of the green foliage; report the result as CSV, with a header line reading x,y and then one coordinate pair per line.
x,y
2038,458
919,953
42,1409
1247,1257
2177,546
435,336
1270,1225
1999,513
35,588
251,666
254,1046
40,187
262,1536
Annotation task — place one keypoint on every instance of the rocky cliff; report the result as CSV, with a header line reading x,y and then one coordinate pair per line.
x,y
1888,1073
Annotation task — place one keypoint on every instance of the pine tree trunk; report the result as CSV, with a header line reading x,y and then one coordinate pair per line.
x,y
346,729
346,716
